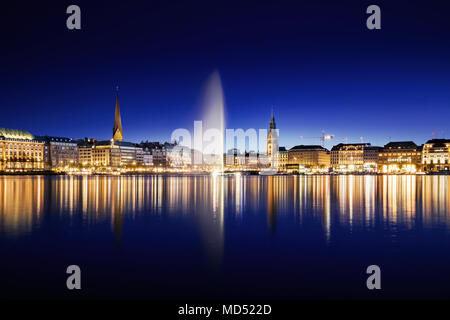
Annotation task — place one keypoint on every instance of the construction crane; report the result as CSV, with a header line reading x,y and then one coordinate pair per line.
x,y
324,137
436,133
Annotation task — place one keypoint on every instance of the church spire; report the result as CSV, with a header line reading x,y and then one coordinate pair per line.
x,y
117,129
272,121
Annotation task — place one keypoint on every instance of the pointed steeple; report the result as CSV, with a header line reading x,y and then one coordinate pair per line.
x,y
117,129
272,121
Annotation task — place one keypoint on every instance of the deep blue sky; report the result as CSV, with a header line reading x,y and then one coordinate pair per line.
x,y
315,61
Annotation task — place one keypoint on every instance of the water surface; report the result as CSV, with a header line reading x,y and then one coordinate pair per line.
x,y
187,237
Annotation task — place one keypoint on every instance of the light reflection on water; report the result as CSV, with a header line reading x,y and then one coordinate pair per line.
x,y
225,236
349,201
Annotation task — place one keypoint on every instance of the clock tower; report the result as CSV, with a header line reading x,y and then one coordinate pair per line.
x,y
272,141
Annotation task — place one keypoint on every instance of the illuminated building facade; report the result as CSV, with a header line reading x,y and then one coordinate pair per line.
x,y
281,159
112,153
356,157
85,151
306,158
147,158
400,157
160,152
436,155
180,157
249,160
101,154
160,156
20,150
233,159
253,160
59,152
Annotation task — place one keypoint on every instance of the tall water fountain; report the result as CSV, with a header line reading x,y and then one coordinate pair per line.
x,y
213,135
214,121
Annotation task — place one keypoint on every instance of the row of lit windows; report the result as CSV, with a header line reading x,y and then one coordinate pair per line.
x,y
27,153
21,146
428,146
38,158
400,154
436,161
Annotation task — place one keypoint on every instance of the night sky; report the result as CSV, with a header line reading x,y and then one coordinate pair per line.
x,y
314,61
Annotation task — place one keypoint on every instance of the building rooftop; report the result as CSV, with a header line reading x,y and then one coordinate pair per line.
x,y
438,142
156,145
401,145
54,139
377,148
340,145
308,147
117,143
15,134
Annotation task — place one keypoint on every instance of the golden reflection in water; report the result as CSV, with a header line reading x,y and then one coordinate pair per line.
x,y
351,201
21,203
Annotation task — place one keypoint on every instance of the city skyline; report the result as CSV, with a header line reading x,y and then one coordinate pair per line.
x,y
328,74
301,140
324,141
21,151
218,159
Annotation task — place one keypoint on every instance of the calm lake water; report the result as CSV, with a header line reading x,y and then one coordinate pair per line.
x,y
187,237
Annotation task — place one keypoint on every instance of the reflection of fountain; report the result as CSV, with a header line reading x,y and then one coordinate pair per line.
x,y
214,122
210,216
117,215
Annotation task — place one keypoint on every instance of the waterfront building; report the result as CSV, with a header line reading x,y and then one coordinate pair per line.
x,y
308,158
110,153
59,152
371,157
234,159
159,151
160,156
249,160
101,154
20,150
253,160
147,158
85,155
354,157
436,155
85,147
272,141
400,157
139,155
180,157
281,159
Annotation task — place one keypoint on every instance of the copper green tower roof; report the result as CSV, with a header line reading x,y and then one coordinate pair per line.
x,y
15,134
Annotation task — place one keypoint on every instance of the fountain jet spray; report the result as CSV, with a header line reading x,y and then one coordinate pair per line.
x,y
214,119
